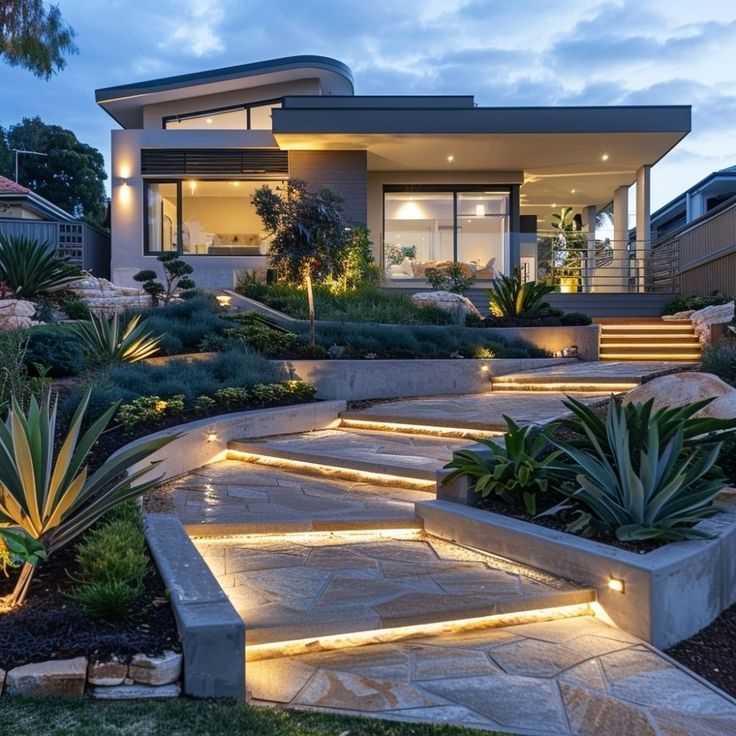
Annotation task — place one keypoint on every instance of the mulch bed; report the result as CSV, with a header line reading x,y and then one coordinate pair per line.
x,y
710,653
50,625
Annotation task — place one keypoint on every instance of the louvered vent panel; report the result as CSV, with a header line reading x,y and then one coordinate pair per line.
x,y
213,162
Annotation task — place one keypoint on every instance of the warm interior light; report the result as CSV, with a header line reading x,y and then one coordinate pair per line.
x,y
616,585
450,158
554,204
192,186
209,120
480,210
572,191
604,157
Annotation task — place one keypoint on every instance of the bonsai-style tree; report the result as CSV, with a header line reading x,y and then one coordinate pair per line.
x,y
176,275
309,235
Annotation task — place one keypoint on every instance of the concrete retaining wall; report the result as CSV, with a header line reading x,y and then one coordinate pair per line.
x,y
669,594
354,380
212,633
586,338
205,441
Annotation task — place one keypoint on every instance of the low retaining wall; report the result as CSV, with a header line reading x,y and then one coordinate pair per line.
x,y
212,633
555,339
355,380
669,594
205,440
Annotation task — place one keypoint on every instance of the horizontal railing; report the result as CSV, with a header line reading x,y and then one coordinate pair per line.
x,y
576,264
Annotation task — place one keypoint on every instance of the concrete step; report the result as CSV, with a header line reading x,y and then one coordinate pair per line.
x,y
682,357
659,339
380,457
663,350
317,591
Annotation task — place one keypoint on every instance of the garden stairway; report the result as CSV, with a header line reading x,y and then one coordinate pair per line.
x,y
648,339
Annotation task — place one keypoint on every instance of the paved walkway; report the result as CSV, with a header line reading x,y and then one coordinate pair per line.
x,y
287,589
572,676
476,411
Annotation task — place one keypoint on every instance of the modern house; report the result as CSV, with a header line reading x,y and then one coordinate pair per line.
x,y
435,179
27,214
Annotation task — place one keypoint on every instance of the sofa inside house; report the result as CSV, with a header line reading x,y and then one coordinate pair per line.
x,y
197,241
410,268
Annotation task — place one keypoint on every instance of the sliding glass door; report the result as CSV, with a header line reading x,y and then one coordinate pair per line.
x,y
428,226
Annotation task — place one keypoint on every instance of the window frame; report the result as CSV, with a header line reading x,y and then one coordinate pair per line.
x,y
455,190
229,108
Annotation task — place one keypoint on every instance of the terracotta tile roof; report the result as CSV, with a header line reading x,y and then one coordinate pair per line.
x,y
8,186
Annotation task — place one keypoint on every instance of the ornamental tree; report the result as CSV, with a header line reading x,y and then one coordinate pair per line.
x,y
309,235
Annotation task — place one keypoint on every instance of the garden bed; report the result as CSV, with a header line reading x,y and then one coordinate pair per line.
x,y
669,593
50,625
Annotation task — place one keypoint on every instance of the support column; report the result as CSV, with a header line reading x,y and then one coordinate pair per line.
x,y
588,216
620,265
643,226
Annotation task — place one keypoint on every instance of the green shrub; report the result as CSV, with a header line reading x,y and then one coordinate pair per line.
x,y
643,474
364,304
721,361
75,307
112,563
147,409
519,471
510,297
686,303
571,319
450,277
31,268
176,277
56,348
264,339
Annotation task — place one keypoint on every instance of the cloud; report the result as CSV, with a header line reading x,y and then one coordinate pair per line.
x,y
194,28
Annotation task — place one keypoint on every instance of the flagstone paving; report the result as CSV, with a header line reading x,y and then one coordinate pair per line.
x,y
402,455
479,411
235,497
290,587
573,676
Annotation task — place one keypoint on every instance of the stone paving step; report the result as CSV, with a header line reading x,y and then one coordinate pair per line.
x,y
292,588
387,458
635,341
556,678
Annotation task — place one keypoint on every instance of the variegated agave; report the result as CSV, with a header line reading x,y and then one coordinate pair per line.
x,y
110,341
645,474
53,499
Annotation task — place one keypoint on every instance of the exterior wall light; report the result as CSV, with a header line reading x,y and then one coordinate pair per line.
x,y
605,157
616,585
211,437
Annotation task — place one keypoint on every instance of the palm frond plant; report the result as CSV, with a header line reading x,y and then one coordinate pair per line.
x,y
31,268
112,340
509,297
52,498
519,471
645,475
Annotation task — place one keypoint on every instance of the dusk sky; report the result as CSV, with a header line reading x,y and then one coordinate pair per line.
x,y
518,52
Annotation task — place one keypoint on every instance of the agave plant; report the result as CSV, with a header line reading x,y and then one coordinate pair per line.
x,y
30,268
646,475
54,499
509,297
518,471
111,341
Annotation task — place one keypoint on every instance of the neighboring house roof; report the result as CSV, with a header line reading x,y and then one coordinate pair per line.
x,y
125,102
12,193
726,177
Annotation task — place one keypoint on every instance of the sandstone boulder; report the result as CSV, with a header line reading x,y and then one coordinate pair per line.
x,y
63,678
703,319
161,670
454,303
136,692
16,314
107,674
104,297
677,389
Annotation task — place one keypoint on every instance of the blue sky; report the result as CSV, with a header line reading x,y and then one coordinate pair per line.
x,y
505,52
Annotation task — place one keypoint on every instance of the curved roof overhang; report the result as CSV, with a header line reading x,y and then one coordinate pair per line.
x,y
125,102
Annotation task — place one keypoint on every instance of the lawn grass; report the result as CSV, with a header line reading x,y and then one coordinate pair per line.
x,y
182,717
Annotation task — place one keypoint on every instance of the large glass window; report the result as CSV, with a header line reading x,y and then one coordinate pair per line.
x,y
162,216
214,218
243,117
424,229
